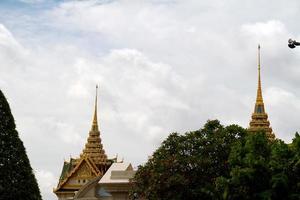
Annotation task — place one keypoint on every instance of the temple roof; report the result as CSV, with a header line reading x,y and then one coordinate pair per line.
x,y
67,168
92,162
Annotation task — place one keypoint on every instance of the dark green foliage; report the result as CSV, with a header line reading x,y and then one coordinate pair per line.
x,y
294,168
186,166
218,162
262,169
249,174
17,181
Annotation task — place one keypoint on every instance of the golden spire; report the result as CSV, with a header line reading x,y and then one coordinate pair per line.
x,y
92,162
95,120
259,98
93,147
259,120
259,104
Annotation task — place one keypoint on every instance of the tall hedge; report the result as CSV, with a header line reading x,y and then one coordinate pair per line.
x,y
17,180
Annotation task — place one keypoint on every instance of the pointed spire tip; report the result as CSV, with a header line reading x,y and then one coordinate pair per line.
x,y
95,120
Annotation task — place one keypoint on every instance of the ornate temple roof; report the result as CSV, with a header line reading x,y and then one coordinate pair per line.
x,y
259,119
92,162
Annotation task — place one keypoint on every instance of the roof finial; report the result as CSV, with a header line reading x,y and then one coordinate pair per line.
x,y
258,57
95,120
259,92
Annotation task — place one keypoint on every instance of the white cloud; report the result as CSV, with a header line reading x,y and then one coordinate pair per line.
x,y
6,38
46,181
279,96
287,104
11,50
78,89
68,134
133,81
268,28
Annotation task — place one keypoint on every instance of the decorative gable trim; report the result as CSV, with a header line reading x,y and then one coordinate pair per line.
x,y
91,165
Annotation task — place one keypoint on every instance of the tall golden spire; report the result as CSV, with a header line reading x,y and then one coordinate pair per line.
x,y
92,163
259,120
95,120
93,147
259,92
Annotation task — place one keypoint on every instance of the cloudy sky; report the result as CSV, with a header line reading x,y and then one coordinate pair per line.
x,y
162,66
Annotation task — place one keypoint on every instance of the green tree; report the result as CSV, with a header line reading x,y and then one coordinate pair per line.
x,y
249,174
186,166
294,170
280,166
17,181
218,162
259,169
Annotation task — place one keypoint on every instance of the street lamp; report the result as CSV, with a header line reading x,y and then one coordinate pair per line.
x,y
293,43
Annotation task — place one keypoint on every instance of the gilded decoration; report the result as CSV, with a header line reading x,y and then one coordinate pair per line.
x,y
92,162
259,119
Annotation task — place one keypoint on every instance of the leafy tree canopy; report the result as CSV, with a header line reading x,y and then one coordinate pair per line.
x,y
186,166
221,162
